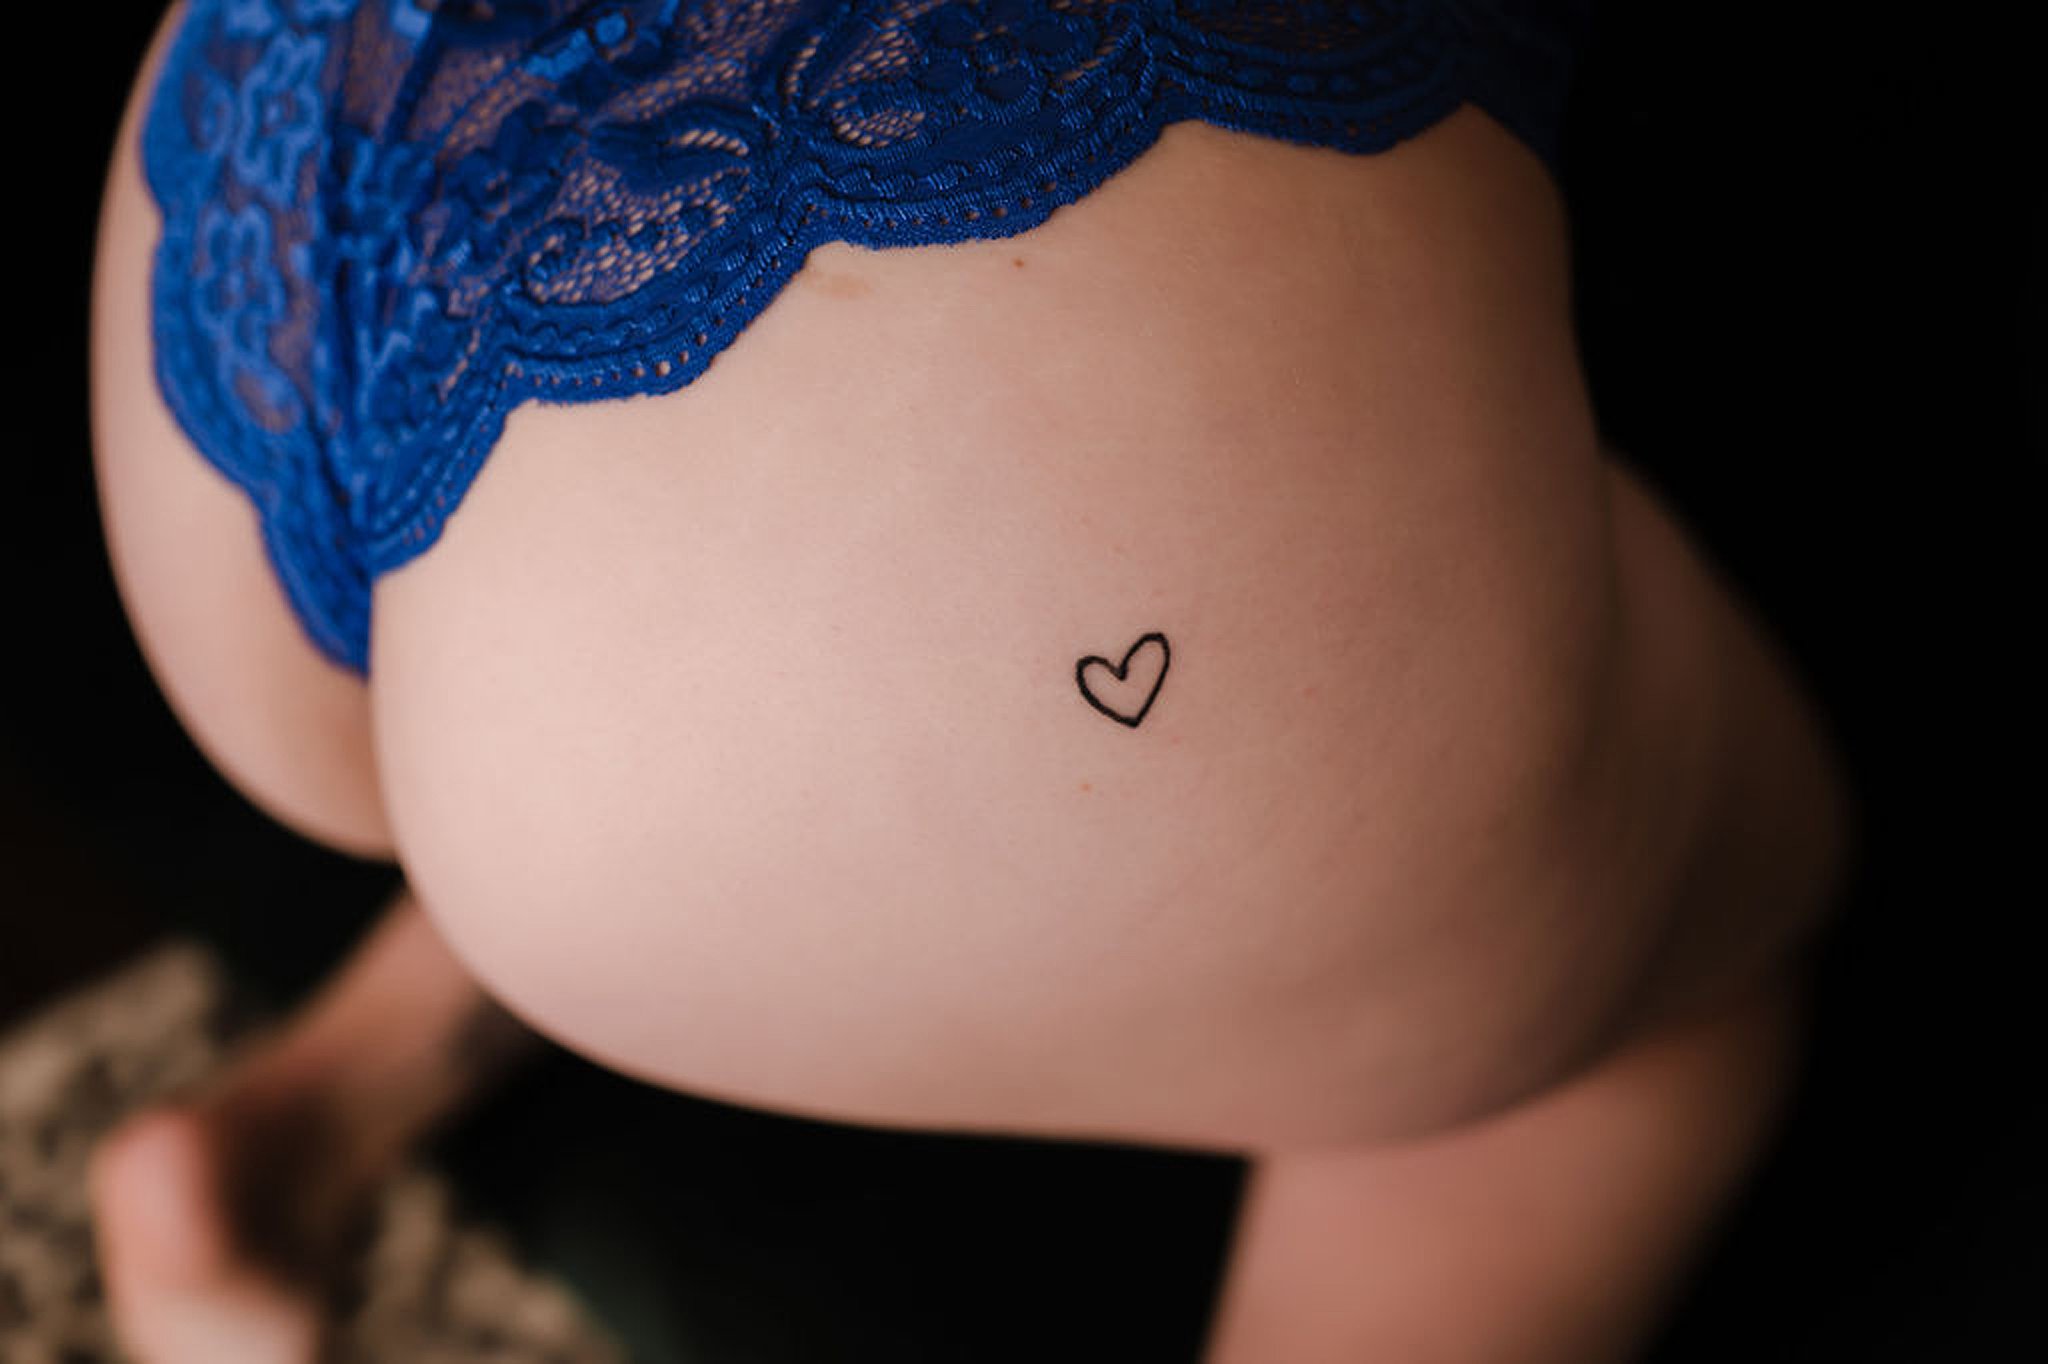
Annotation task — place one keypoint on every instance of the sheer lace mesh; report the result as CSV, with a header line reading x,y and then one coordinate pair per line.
x,y
387,222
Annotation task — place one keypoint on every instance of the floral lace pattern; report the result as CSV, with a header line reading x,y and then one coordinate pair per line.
x,y
388,222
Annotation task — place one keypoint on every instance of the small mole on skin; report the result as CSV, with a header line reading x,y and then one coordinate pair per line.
x,y
839,286
1017,261
1087,786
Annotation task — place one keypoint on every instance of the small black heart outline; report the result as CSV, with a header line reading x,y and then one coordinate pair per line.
x,y
1121,670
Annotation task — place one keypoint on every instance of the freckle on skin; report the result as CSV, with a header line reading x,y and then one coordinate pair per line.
x,y
1017,261
837,286
1087,786
1308,693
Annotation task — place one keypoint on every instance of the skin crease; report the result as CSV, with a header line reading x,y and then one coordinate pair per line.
x,y
803,808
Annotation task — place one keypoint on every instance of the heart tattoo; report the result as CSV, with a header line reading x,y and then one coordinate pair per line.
x,y
1120,695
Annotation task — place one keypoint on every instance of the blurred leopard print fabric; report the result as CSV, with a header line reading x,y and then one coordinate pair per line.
x,y
431,1292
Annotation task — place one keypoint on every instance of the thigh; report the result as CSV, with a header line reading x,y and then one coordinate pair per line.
x,y
1554,1233
737,736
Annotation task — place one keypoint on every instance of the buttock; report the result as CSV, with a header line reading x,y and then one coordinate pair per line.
x,y
1136,676
766,738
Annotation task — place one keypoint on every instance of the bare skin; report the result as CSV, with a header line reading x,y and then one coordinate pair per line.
x,y
1554,1233
732,737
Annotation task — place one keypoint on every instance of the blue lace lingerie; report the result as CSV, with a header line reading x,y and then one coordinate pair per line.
x,y
388,222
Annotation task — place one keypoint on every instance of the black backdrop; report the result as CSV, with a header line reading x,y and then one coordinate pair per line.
x,y
1810,287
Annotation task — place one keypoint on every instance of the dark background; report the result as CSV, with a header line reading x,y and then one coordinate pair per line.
x,y
1811,306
